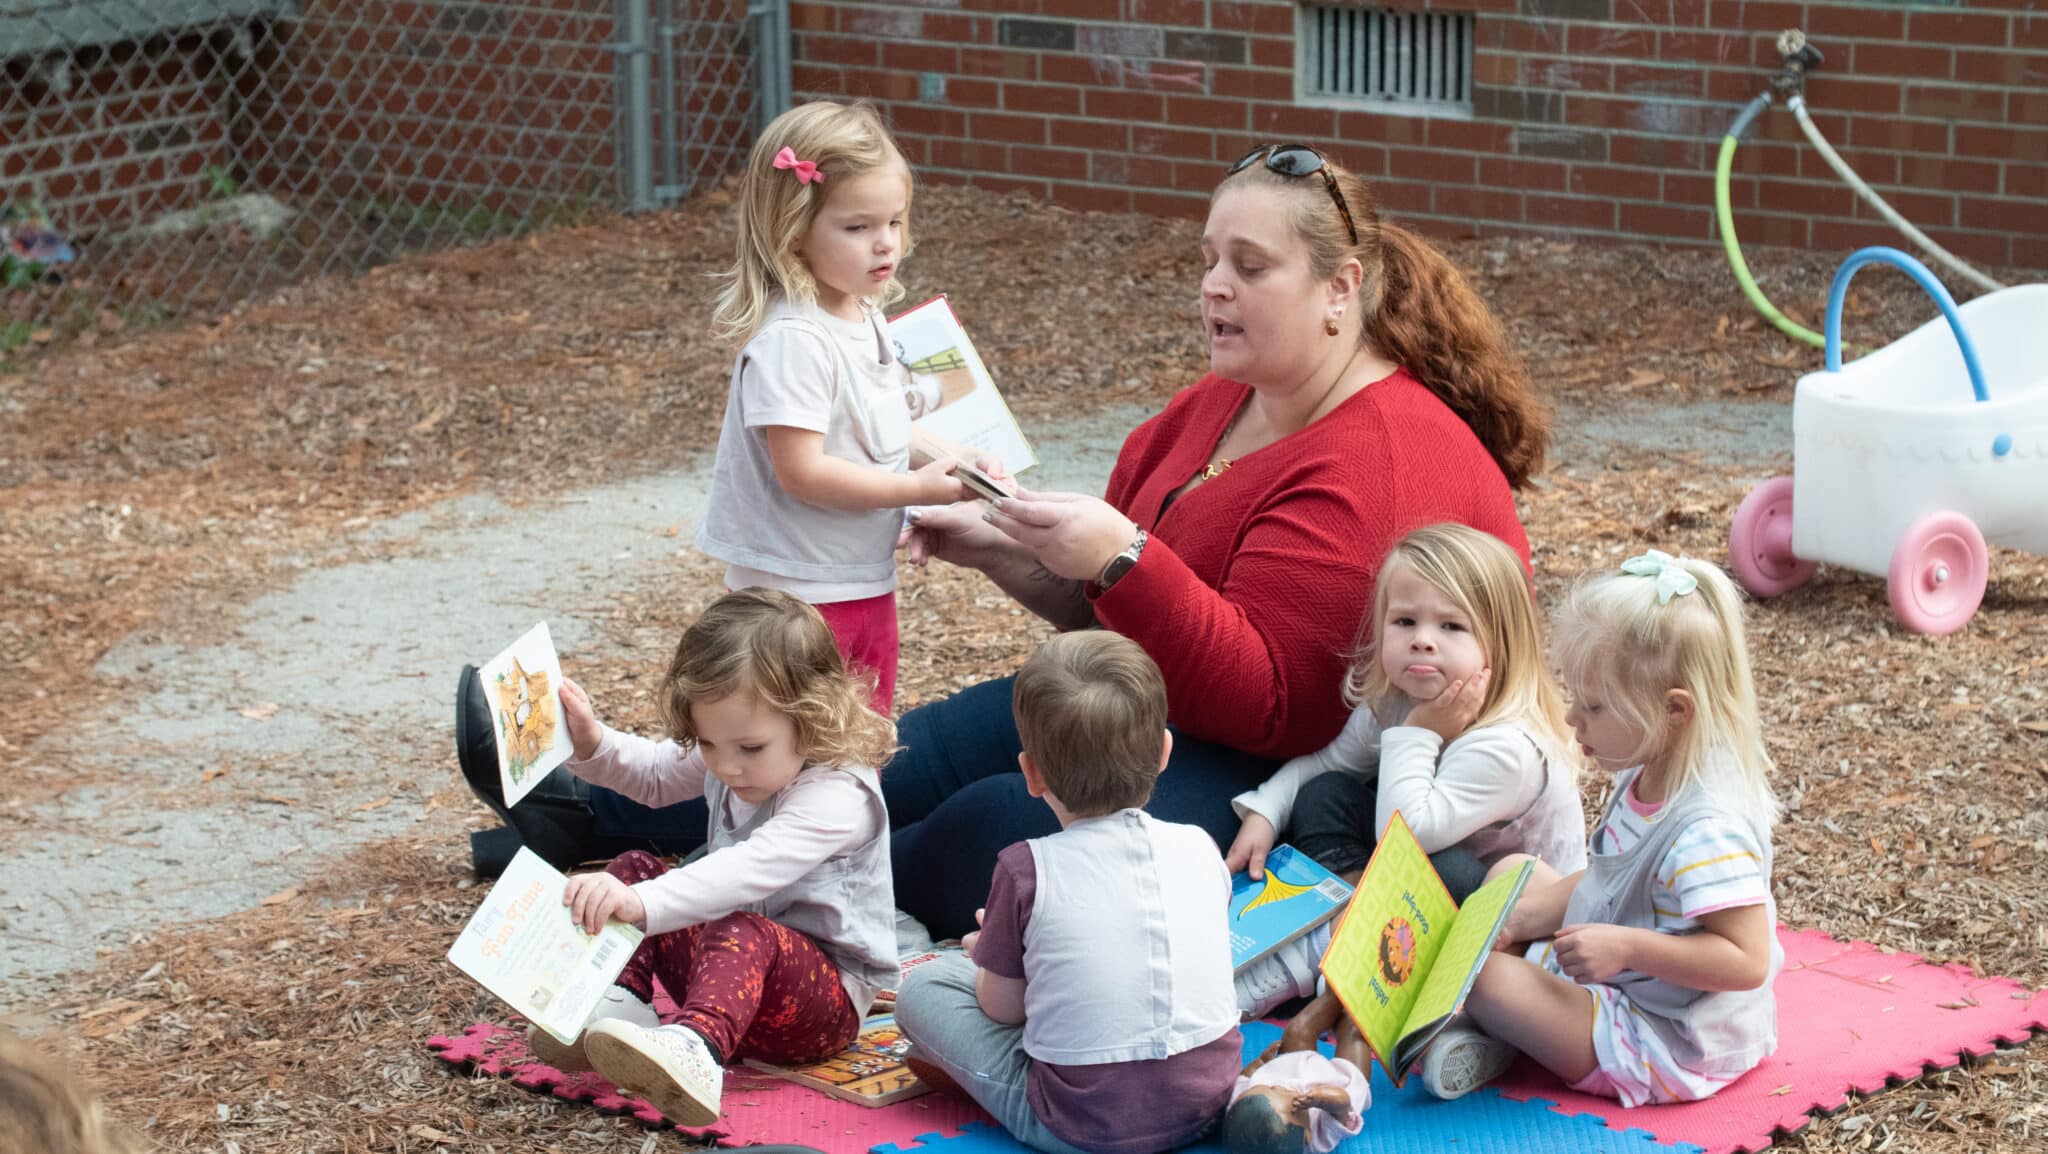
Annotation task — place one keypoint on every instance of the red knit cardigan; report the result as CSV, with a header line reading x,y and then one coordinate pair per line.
x,y
1252,588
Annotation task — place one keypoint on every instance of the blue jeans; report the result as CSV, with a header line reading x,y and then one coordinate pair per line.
x,y
956,799
1334,819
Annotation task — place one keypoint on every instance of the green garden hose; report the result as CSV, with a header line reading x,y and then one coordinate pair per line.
x,y
1725,214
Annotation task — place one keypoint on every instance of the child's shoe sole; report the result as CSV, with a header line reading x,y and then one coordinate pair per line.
x,y
569,1057
644,1069
1463,1062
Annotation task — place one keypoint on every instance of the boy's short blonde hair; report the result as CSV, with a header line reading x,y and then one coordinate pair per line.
x,y
1091,709
46,1110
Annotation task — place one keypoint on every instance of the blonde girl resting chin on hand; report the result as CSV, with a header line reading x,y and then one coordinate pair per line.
x,y
1456,724
1651,981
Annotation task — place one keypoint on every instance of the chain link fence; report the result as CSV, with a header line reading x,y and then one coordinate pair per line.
x,y
162,157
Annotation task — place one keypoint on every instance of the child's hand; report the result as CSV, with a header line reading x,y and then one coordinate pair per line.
x,y
1254,841
935,483
594,899
968,939
584,730
1453,711
993,466
1591,953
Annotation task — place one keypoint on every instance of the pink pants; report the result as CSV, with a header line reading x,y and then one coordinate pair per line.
x,y
753,987
866,633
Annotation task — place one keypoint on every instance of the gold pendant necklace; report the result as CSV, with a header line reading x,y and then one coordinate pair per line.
x,y
1215,468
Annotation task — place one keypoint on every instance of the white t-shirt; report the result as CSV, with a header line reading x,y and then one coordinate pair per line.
x,y
807,369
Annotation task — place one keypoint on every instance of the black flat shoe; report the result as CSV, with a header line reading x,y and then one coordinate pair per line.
x,y
553,821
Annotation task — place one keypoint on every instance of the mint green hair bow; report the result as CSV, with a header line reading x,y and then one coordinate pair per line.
x,y
1672,578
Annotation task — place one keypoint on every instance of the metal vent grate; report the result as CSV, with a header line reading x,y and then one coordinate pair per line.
x,y
1379,56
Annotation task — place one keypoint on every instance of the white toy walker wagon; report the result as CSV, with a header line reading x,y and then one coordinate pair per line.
x,y
1899,470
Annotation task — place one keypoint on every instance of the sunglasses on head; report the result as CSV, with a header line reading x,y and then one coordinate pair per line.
x,y
1299,160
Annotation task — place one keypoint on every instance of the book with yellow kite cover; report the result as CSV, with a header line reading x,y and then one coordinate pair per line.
x,y
1294,897
1405,955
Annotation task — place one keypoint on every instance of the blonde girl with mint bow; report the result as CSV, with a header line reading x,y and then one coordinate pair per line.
x,y
813,468
1647,976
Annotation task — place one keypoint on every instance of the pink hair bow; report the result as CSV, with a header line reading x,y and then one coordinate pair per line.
x,y
805,170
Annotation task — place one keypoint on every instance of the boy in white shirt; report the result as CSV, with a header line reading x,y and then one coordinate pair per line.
x,y
1097,1012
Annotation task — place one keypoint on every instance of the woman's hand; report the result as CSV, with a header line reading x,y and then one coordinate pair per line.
x,y
1073,535
955,534
594,899
1453,711
585,731
1254,841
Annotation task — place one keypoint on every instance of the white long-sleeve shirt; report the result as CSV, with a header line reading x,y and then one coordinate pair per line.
x,y
817,816
1473,791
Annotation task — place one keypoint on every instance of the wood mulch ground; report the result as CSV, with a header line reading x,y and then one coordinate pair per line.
x,y
150,480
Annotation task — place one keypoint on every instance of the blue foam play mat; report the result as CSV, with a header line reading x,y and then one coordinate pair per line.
x,y
1402,1121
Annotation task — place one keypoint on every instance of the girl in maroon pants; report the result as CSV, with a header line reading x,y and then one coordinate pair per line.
x,y
778,938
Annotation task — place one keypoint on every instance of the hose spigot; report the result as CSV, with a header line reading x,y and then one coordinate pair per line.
x,y
1799,57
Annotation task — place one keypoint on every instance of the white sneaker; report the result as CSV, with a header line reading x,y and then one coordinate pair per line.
x,y
1462,1059
568,1057
1287,973
670,1066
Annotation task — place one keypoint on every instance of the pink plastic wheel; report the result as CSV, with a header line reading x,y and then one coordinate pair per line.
x,y
1760,541
1939,570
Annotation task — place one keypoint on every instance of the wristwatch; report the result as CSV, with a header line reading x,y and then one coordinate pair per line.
x,y
1122,563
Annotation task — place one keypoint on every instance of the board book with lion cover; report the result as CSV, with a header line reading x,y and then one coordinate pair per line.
x,y
1405,955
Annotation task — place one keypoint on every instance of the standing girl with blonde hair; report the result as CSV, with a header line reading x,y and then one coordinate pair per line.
x,y
1651,981
812,472
1456,724
774,943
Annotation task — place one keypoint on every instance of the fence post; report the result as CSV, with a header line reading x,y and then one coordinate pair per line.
x,y
771,59
636,111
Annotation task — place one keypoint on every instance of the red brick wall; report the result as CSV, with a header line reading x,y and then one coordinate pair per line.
x,y
459,105
120,136
1592,117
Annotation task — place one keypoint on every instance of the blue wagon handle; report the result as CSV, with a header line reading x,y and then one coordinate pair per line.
x,y
1881,254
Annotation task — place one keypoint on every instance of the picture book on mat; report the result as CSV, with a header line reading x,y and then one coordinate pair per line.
x,y
869,1072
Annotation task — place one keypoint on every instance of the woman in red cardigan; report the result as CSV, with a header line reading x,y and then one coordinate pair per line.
x,y
1358,388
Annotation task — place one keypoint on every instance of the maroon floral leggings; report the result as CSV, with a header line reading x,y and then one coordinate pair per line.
x,y
752,987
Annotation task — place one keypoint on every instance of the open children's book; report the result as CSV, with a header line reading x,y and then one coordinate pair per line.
x,y
1296,895
524,685
1405,955
869,1072
523,946
954,401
